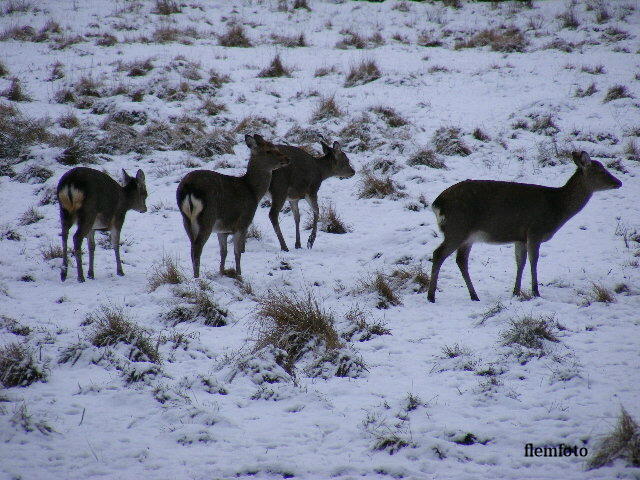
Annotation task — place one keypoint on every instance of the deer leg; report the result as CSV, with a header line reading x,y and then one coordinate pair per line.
x,y
521,259
296,218
115,244
462,259
196,249
85,225
440,254
66,221
238,247
274,212
222,240
534,251
312,200
91,239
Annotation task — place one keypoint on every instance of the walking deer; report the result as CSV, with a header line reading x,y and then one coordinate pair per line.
x,y
302,179
210,201
508,212
95,201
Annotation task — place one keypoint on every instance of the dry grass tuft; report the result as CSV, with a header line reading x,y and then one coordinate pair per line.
x,y
275,69
364,72
510,39
18,366
199,305
167,7
390,116
30,216
530,332
51,252
616,92
586,92
448,141
112,326
427,157
382,285
375,186
329,221
623,442
326,108
360,329
289,41
166,272
15,92
235,36
600,293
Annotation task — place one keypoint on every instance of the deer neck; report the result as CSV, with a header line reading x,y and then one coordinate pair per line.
x,y
574,195
257,178
324,167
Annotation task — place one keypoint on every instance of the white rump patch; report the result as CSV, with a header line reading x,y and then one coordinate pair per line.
x,y
191,207
439,217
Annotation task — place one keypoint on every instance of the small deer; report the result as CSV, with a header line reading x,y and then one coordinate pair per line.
x,y
95,201
302,179
210,201
507,212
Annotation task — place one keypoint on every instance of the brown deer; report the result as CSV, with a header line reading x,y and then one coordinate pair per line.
x,y
302,179
95,201
508,212
210,201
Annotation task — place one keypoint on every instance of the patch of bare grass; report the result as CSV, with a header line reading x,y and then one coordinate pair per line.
x,y
165,272
327,108
448,141
377,186
360,328
364,72
622,442
275,69
234,36
15,92
428,158
616,92
18,366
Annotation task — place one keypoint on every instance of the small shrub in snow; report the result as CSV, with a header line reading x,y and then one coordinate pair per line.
x,y
106,40
329,221
111,326
326,108
510,39
289,41
428,158
254,232
166,33
569,19
79,150
375,186
623,442
11,325
4,71
198,305
530,332
632,151
8,233
600,293
165,272
390,116
586,92
51,252
252,124
275,69
18,366
68,120
167,7
235,36
448,141
324,71
454,351
301,4
616,92
480,135
34,174
218,79
16,6
602,14
211,107
385,290
30,216
15,92
593,70
427,39
360,329
364,72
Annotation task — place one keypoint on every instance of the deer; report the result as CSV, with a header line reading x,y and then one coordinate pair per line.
x,y
508,212
210,201
95,201
302,179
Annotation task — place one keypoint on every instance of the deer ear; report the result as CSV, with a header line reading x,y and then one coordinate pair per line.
x,y
250,141
140,176
125,176
581,159
325,148
259,139
336,146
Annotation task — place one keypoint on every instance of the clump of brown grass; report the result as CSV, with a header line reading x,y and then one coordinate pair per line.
x,y
167,7
427,157
165,272
448,141
360,328
15,92
275,69
616,92
530,332
235,36
327,108
377,186
623,442
510,39
199,305
18,366
111,326
586,92
289,41
329,221
600,293
364,72
390,116
379,283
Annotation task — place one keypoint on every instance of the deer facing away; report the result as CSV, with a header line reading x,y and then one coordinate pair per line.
x,y
213,202
507,212
95,201
302,179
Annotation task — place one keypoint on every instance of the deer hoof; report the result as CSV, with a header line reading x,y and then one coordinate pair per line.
x,y
90,275
80,279
120,273
298,245
431,297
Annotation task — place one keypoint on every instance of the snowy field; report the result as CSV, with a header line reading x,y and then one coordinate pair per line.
x,y
408,389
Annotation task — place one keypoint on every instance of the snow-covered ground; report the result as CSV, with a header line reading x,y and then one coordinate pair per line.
x,y
442,395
